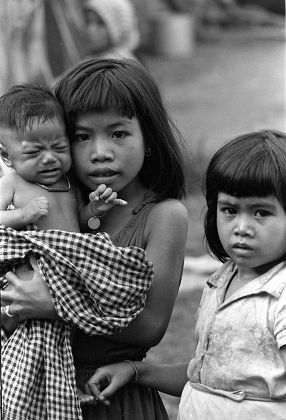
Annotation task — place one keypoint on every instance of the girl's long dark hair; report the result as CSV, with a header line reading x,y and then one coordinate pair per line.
x,y
253,164
125,86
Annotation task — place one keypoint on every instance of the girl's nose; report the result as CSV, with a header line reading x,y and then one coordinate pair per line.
x,y
243,226
100,151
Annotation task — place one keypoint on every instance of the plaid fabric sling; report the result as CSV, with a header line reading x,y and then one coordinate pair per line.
x,y
95,286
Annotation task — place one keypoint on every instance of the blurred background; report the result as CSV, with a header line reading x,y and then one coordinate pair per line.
x,y
220,65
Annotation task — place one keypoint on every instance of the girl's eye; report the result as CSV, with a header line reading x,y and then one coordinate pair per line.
x,y
82,137
228,210
119,134
262,213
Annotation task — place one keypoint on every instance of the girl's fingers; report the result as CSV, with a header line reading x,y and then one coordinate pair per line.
x,y
107,194
92,196
109,391
95,384
111,198
95,195
6,299
120,202
11,277
95,390
103,400
84,398
100,190
8,293
34,264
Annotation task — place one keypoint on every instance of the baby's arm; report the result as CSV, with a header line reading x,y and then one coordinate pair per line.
x,y
19,217
100,201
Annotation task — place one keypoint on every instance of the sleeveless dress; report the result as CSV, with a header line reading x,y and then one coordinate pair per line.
x,y
131,402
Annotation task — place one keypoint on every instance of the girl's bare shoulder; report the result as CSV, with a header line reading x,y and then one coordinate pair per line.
x,y
169,207
169,212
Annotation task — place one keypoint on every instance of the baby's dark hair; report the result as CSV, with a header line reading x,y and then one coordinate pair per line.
x,y
22,104
125,86
253,164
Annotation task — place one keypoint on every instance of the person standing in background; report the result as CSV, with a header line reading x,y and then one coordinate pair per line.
x,y
111,28
39,39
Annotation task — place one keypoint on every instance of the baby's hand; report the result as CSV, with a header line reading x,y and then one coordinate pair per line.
x,y
35,209
103,199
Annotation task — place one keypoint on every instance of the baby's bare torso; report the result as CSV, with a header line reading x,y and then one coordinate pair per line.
x,y
62,210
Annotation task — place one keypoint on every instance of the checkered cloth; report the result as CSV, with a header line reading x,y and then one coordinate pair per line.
x,y
95,286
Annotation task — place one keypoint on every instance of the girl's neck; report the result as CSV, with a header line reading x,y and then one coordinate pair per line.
x,y
247,274
133,193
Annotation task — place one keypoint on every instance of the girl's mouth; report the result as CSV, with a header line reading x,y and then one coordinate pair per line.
x,y
103,173
239,245
242,250
103,176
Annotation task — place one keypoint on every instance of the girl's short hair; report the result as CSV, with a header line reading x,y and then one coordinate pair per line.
x,y
253,164
22,104
125,86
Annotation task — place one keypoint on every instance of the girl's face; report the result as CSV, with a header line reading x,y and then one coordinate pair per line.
x,y
252,230
108,149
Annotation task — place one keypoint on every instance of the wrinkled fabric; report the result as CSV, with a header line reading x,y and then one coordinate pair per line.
x,y
238,354
95,286
196,405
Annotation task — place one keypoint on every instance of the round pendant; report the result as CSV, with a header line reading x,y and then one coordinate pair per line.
x,y
93,223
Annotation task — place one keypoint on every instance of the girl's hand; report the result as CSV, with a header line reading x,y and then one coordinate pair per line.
x,y
84,398
9,324
103,199
108,379
27,294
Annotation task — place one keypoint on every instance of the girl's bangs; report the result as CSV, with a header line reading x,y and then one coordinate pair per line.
x,y
250,178
103,93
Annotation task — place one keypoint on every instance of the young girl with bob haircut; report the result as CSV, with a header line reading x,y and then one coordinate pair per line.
x,y
239,367
121,137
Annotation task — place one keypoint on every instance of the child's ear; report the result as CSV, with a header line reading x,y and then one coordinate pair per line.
x,y
5,156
